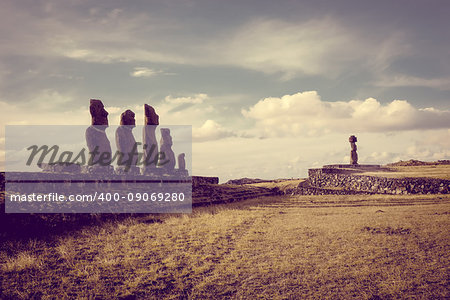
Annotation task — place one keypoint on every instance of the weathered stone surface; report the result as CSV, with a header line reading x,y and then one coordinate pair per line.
x,y
354,167
151,118
96,138
126,144
181,162
98,113
168,162
60,168
202,180
353,155
206,191
150,144
327,178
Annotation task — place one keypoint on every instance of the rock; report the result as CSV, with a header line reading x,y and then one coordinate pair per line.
x,y
96,139
98,113
60,168
181,162
353,155
167,156
126,144
151,118
150,143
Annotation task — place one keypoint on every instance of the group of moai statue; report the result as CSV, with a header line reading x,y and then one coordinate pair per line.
x,y
128,157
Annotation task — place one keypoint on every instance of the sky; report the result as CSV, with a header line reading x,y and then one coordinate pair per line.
x,y
271,88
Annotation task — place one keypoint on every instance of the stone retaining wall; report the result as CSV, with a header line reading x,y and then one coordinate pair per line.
x,y
202,180
302,190
323,178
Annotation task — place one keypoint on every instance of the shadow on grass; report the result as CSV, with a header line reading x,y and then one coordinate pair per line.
x,y
20,227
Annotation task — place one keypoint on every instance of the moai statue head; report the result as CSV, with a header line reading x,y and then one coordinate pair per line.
x,y
166,139
98,112
151,118
127,118
352,139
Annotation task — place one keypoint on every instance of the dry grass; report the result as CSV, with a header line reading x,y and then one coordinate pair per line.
x,y
21,262
427,171
281,184
361,247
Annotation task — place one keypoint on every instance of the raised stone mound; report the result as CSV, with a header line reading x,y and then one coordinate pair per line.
x,y
205,194
411,162
203,180
326,178
414,162
246,180
305,188
60,168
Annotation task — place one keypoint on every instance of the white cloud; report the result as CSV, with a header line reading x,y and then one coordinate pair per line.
x,y
144,72
432,146
209,131
195,99
379,157
306,114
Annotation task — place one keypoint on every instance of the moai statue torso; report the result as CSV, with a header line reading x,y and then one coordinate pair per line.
x,y
150,144
168,162
96,138
353,155
126,143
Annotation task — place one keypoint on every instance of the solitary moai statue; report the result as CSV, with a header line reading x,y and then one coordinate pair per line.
x,y
353,155
126,143
168,162
96,139
150,143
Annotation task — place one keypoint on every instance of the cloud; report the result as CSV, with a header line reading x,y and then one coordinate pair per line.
x,y
210,131
377,157
306,114
315,45
405,80
144,72
431,146
318,46
196,99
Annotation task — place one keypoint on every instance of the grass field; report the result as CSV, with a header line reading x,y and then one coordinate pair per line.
x,y
281,184
362,247
426,171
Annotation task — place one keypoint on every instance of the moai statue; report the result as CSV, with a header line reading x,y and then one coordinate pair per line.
x,y
181,171
126,144
149,141
181,162
353,155
167,157
96,139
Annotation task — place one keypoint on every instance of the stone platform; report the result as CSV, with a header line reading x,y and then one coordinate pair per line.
x,y
350,166
347,179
